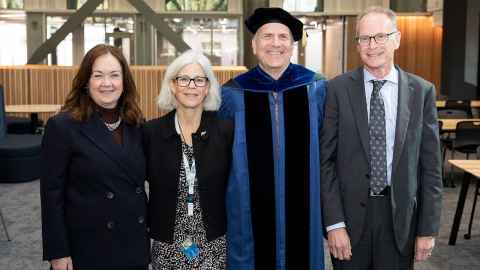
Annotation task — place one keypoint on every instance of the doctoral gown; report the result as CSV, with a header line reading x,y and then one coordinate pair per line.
x,y
273,194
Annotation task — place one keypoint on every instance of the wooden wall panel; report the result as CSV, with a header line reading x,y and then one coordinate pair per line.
x,y
353,60
15,86
39,84
148,81
420,49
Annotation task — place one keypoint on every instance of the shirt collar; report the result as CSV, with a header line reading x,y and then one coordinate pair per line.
x,y
392,76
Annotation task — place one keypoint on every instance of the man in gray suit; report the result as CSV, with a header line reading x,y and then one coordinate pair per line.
x,y
381,181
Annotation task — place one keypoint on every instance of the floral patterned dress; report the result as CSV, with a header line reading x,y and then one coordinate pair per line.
x,y
212,255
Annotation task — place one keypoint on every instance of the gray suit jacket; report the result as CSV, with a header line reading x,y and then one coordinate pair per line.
x,y
416,172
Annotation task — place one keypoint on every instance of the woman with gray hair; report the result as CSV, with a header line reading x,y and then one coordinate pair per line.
x,y
188,154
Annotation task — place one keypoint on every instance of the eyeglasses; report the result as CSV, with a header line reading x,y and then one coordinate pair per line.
x,y
184,81
379,38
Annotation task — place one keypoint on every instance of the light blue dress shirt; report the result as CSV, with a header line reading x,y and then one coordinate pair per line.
x,y
389,94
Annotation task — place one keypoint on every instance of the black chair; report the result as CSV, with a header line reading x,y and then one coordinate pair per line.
x,y
467,138
19,154
4,225
468,235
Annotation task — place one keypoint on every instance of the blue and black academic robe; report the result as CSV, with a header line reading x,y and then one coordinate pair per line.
x,y
273,195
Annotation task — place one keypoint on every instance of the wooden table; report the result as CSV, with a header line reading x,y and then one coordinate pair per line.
x,y
33,109
471,169
450,125
473,103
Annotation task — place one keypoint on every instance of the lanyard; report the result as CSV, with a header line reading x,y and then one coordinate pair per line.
x,y
190,174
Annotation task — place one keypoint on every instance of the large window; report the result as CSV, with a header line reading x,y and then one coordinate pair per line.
x,y
196,5
303,5
80,3
117,31
63,54
11,4
215,37
324,50
13,31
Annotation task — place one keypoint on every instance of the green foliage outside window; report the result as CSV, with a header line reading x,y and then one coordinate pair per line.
x,y
196,5
11,4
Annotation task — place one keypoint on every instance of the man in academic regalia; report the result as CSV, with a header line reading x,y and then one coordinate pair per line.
x,y
273,197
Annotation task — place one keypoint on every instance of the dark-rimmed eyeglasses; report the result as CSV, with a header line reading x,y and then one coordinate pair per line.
x,y
184,81
379,38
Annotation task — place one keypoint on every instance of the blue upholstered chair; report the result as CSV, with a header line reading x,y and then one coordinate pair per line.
x,y
18,125
19,154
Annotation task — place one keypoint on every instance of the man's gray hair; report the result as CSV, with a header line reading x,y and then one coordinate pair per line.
x,y
166,100
379,10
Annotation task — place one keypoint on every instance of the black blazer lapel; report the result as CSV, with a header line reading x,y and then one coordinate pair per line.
x,y
356,92
403,115
200,140
99,135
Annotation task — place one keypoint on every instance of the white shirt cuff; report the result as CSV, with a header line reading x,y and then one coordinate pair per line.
x,y
336,226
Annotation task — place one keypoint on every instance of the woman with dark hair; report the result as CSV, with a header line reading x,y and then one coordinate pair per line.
x,y
93,171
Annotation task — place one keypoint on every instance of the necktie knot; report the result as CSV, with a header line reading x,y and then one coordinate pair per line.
x,y
377,85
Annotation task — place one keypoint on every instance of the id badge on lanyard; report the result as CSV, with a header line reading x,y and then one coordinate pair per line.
x,y
190,174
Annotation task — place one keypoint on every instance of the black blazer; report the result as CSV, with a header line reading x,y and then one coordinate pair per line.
x,y
212,146
92,194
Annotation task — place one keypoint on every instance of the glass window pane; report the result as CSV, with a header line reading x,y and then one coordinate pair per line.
x,y
196,5
314,48
63,54
334,60
11,4
14,48
116,31
94,33
303,5
216,38
324,50
104,5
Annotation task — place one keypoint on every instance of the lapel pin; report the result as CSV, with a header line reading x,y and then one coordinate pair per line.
x,y
203,134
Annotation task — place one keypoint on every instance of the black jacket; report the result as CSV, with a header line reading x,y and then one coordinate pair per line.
x,y
92,193
212,146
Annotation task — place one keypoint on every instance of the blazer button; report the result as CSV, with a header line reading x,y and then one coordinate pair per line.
x,y
362,204
367,175
110,225
109,195
139,190
141,219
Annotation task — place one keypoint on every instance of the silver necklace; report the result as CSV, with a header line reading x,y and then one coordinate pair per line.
x,y
114,125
